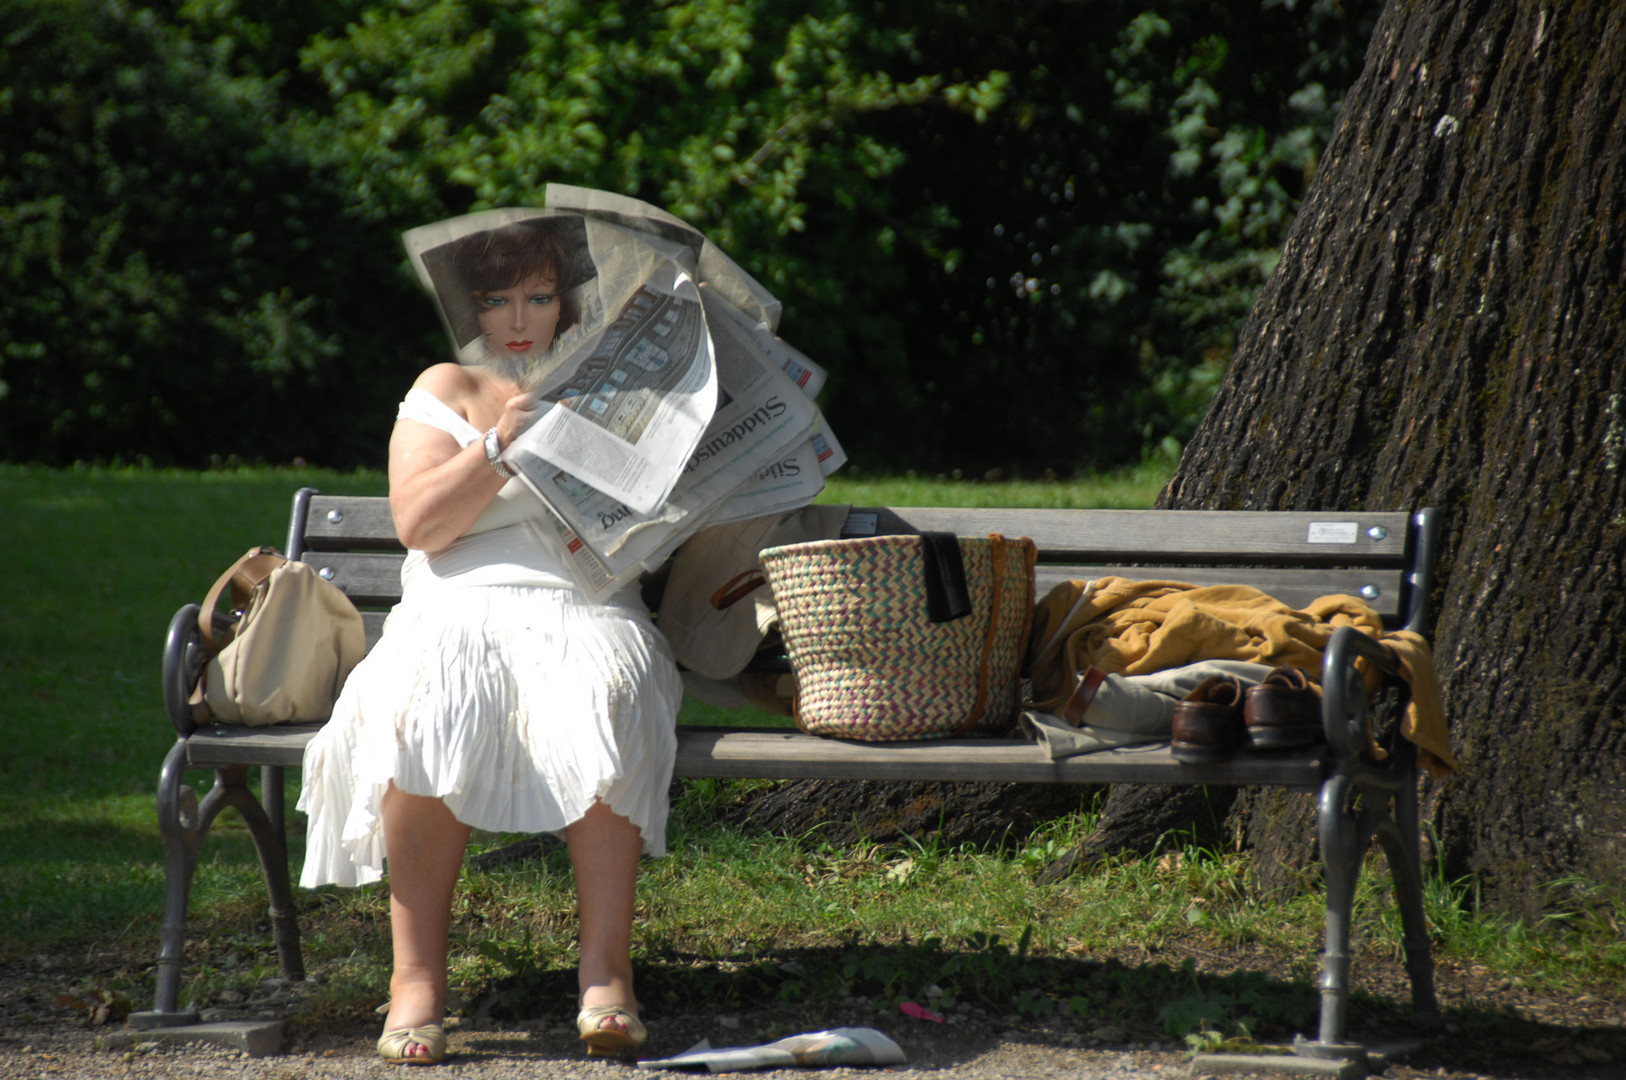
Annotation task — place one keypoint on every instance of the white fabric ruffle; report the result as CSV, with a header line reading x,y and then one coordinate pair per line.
x,y
519,706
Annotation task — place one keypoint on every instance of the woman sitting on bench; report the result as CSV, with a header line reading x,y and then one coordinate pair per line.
x,y
498,696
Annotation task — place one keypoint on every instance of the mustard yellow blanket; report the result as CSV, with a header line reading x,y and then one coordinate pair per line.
x,y
1134,627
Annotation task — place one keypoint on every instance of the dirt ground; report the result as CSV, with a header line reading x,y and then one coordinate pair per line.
x,y
1489,1028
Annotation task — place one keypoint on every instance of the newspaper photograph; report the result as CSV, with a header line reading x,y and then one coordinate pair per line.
x,y
626,380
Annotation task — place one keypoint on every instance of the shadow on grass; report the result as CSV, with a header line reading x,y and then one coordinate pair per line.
x,y
1148,1001
785,990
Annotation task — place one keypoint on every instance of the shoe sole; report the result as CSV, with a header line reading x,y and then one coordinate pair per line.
x,y
1199,755
1281,738
608,1043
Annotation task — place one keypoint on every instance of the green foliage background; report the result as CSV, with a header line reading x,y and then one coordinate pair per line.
x,y
1047,219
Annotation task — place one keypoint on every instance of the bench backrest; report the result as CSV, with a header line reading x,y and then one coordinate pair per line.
x,y
1296,556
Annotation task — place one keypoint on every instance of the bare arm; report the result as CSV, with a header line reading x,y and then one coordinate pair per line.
x,y
438,489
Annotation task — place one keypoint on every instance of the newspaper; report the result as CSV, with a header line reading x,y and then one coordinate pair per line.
x,y
793,480
761,421
666,402
837,1047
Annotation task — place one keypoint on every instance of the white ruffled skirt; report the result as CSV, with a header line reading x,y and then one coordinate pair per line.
x,y
518,706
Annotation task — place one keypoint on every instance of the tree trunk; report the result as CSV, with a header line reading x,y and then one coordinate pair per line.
x,y
1446,328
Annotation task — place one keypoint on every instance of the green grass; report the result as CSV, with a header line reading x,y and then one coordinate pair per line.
x,y
97,560
1129,489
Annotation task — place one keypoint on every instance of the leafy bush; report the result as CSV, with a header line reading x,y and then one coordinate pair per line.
x,y
178,281
1046,219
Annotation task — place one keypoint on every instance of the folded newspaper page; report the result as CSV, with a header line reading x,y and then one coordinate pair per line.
x,y
836,1047
711,266
762,417
786,482
666,401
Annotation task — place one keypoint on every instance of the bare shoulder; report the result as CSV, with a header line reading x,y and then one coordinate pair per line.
x,y
452,383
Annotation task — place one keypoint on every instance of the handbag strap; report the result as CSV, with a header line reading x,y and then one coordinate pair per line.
x,y
737,588
947,596
241,577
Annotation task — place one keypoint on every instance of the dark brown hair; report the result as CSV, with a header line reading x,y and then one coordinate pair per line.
x,y
502,258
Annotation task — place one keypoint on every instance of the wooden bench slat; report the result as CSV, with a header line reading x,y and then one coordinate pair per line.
x,y
792,755
373,579
1294,586
1176,537
1204,537
341,522
783,754
369,579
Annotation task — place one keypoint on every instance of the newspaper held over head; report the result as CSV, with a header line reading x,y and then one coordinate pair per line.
x,y
837,1047
625,377
665,400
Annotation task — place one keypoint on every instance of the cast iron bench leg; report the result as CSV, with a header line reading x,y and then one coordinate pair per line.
x,y
1339,835
178,823
1399,840
271,845
184,822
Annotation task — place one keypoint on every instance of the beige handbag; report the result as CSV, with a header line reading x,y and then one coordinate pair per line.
x,y
716,612
286,653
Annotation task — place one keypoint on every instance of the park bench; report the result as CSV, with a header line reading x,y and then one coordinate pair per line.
x,y
1384,558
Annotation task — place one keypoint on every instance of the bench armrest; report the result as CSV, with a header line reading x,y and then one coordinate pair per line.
x,y
183,665
1344,703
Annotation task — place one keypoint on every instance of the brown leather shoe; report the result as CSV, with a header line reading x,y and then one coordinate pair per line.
x,y
1208,721
1282,712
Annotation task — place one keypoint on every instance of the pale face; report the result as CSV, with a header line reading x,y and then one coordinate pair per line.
x,y
519,321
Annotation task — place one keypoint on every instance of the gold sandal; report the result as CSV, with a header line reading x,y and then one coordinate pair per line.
x,y
393,1045
607,1042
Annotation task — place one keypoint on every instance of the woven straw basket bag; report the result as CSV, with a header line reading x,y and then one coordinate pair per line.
x,y
875,657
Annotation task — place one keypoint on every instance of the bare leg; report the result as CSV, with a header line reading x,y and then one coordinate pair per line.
x,y
424,844
604,850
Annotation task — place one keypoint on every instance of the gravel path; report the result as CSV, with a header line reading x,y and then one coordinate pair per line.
x,y
966,1049
44,1036
969,1047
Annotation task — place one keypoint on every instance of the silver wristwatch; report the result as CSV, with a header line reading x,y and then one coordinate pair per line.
x,y
493,448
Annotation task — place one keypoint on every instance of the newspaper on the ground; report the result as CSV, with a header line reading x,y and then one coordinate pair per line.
x,y
666,401
837,1047
628,387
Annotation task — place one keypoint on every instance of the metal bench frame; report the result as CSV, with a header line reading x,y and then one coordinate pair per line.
x,y
1384,557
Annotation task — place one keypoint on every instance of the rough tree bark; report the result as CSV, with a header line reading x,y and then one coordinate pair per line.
x,y
1446,328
